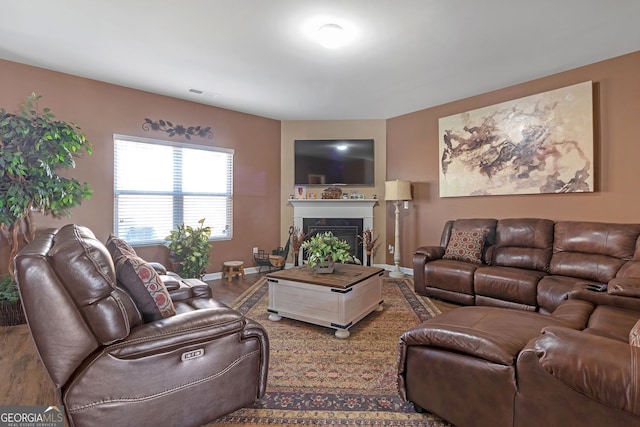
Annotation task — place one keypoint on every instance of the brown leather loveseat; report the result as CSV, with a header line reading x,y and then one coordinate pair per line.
x,y
497,364
526,263
121,350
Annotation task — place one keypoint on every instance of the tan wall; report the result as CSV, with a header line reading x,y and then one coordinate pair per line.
x,y
412,154
102,110
335,129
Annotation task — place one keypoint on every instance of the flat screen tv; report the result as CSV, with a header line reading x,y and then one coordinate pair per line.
x,y
334,162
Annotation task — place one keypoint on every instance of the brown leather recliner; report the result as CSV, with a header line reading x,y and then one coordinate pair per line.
x,y
109,366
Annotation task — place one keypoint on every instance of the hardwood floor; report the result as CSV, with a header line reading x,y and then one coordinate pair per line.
x,y
23,379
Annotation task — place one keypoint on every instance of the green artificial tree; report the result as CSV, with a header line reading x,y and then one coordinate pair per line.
x,y
33,147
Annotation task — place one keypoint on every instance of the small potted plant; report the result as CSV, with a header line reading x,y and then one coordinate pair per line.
x,y
324,250
189,249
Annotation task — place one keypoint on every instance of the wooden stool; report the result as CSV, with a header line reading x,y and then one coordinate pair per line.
x,y
231,268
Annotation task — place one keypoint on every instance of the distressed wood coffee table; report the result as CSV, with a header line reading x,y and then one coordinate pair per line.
x,y
337,300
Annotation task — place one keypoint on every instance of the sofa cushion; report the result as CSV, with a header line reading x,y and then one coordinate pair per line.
x,y
524,243
465,245
144,285
612,322
591,250
85,267
516,285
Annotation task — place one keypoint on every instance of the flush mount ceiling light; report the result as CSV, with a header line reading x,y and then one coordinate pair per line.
x,y
329,33
331,36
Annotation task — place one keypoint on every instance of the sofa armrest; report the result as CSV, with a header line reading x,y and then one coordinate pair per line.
x,y
581,292
600,368
429,253
195,326
421,257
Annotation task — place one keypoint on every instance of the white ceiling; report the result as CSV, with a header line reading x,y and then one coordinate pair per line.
x,y
252,56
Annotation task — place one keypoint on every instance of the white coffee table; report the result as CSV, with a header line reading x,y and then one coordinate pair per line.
x,y
337,300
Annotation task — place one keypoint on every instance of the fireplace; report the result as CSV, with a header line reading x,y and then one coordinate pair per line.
x,y
347,229
346,218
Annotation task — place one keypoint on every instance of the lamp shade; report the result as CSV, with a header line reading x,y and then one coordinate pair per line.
x,y
397,190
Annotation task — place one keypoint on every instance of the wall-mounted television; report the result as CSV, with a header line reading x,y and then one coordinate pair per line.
x,y
334,162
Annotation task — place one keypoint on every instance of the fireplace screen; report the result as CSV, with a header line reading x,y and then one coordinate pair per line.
x,y
347,229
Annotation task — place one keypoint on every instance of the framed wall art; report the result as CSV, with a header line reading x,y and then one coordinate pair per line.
x,y
538,144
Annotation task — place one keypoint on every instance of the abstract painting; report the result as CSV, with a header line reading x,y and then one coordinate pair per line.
x,y
538,144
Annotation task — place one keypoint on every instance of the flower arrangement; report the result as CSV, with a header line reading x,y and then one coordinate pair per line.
x,y
370,244
297,238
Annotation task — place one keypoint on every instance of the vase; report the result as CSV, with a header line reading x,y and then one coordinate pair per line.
x,y
368,259
296,255
328,268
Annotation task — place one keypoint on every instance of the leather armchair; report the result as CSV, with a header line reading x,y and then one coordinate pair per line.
x,y
110,366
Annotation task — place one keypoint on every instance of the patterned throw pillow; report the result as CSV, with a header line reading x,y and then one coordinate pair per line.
x,y
634,335
118,247
145,286
465,245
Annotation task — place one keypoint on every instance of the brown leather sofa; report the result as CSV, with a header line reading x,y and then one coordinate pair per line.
x,y
526,263
114,362
497,364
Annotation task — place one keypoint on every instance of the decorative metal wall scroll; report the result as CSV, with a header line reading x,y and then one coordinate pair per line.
x,y
180,130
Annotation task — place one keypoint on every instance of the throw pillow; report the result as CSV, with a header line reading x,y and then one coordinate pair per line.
x,y
118,247
634,335
144,285
465,245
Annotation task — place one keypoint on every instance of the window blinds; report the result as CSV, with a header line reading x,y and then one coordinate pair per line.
x,y
161,184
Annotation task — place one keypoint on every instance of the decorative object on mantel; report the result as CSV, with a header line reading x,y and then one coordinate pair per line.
x,y
397,191
297,237
370,244
325,249
169,128
541,143
332,193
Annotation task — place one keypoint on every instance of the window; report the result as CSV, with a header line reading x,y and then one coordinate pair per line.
x,y
160,184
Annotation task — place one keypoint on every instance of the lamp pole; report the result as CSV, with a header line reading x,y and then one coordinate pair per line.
x,y
396,250
397,191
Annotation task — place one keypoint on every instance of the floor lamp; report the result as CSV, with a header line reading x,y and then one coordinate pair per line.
x,y
397,191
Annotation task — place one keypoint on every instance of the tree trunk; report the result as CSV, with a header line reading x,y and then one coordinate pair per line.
x,y
12,240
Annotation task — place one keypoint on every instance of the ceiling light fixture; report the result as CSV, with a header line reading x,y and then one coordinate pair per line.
x,y
328,32
331,36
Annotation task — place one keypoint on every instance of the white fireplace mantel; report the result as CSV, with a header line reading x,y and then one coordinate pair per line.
x,y
333,208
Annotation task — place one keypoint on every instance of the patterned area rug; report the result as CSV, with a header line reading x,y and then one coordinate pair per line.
x,y
318,379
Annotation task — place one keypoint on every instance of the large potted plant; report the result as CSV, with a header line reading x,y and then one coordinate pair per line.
x,y
189,249
34,146
324,250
